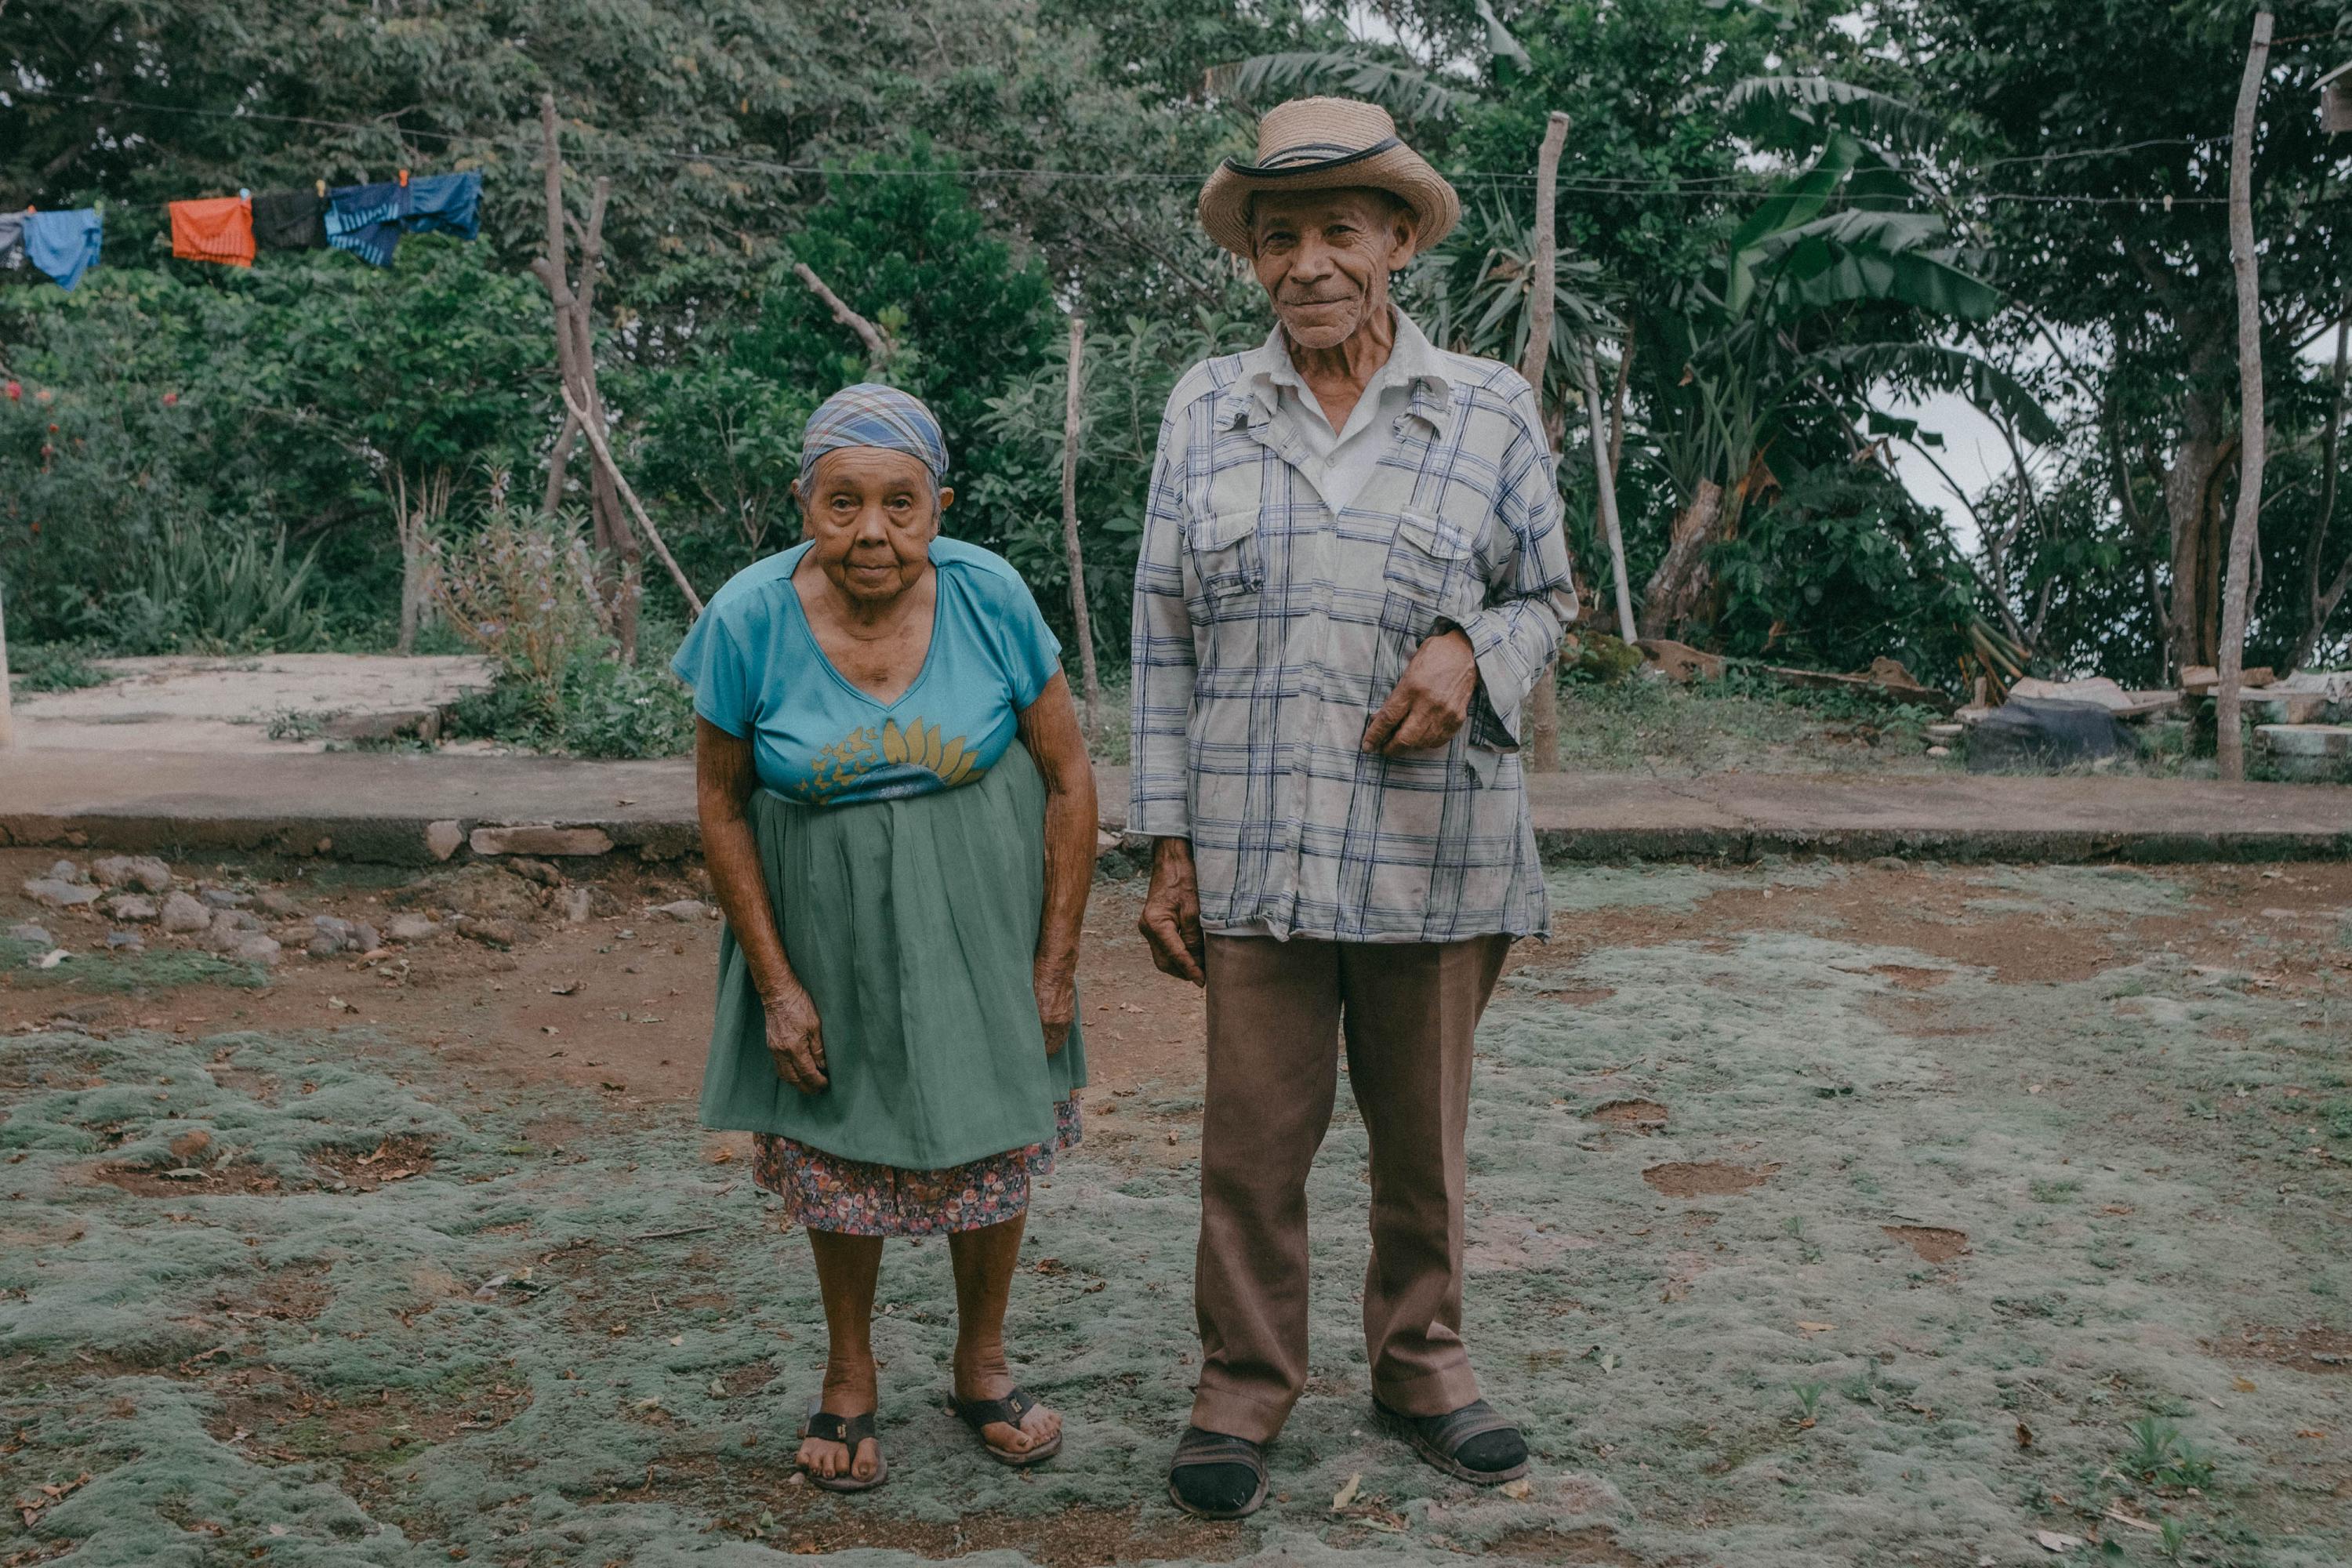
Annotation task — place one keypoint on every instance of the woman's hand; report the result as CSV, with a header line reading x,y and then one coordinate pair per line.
x,y
796,1042
1057,1002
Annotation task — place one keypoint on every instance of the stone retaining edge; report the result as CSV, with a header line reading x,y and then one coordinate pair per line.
x,y
402,841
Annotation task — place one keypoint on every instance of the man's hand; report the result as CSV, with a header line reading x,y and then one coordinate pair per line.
x,y
1432,700
1171,912
1057,984
796,1043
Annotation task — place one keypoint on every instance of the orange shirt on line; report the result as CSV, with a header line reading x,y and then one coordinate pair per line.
x,y
219,228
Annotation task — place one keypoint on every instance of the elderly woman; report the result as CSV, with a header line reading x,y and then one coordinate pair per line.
x,y
899,817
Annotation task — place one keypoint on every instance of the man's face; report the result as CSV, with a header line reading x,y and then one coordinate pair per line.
x,y
1324,258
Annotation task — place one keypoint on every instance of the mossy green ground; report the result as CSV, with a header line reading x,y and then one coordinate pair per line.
x,y
2134,1186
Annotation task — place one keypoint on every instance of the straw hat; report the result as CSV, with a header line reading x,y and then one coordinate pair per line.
x,y
1322,145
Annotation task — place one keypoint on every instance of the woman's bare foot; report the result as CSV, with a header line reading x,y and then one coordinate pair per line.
x,y
980,1373
849,1390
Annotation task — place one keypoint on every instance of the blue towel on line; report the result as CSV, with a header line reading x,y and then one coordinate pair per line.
x,y
63,244
446,203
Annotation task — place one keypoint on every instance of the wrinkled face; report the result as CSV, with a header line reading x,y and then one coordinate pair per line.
x,y
1324,257
871,517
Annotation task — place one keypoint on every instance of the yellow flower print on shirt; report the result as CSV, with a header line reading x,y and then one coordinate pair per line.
x,y
920,745
841,766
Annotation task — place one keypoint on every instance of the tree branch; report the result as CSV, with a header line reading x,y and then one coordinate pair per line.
x,y
878,347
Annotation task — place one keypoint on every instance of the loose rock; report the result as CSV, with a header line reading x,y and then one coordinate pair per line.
x,y
130,909
66,871
257,949
278,902
225,897
182,913
412,928
491,933
130,940
687,910
442,839
538,871
142,871
57,894
39,936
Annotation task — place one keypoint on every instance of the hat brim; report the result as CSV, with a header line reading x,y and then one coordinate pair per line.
x,y
1397,169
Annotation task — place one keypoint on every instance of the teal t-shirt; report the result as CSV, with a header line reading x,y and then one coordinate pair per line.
x,y
758,673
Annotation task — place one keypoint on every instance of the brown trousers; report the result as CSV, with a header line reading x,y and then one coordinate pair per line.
x,y
1276,1012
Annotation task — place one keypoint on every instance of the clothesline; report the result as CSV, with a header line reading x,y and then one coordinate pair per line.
x,y
367,220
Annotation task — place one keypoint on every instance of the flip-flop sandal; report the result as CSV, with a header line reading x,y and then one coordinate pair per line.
x,y
1012,1409
1438,1439
1198,1448
849,1431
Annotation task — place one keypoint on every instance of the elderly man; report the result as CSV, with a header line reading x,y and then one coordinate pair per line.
x,y
1352,571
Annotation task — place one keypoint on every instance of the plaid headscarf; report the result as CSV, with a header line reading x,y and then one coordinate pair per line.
x,y
872,414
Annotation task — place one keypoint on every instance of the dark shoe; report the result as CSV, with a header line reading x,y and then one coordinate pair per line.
x,y
1217,1476
1472,1444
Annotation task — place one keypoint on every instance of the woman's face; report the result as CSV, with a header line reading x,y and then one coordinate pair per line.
x,y
871,518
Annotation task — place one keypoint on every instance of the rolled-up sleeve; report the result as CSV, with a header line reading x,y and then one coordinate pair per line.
x,y
1532,591
1160,705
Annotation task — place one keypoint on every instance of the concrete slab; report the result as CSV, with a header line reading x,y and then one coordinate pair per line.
x,y
409,808
225,705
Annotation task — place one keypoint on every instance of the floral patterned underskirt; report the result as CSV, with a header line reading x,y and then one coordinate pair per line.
x,y
851,1197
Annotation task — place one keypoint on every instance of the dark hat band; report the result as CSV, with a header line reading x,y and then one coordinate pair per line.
x,y
1310,158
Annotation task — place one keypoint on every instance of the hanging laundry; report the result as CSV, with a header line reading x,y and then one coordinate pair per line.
x,y
63,244
446,203
365,219
12,240
290,220
217,229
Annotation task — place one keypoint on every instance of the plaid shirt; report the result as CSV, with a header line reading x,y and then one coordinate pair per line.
x,y
1268,630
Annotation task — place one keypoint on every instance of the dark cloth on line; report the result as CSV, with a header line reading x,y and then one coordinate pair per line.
x,y
12,239
445,203
64,244
365,219
290,220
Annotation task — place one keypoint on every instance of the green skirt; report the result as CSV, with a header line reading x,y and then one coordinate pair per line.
x,y
913,924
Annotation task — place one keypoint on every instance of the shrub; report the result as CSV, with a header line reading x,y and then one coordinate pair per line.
x,y
212,587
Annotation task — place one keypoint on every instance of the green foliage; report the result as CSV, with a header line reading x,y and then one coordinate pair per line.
x,y
902,241
212,587
2161,1456
614,710
53,667
1844,568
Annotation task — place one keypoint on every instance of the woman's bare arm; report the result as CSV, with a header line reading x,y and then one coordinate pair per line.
x,y
724,776
1049,728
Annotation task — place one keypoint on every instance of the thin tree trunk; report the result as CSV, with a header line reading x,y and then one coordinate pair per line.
x,y
1540,749
2319,602
1072,408
1681,580
1608,499
2230,748
1617,399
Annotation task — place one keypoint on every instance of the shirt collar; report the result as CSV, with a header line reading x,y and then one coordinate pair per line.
x,y
1414,362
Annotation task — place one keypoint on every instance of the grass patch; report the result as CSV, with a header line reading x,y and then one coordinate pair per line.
x,y
151,969
54,667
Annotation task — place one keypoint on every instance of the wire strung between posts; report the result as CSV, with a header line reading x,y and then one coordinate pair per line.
x,y
1700,188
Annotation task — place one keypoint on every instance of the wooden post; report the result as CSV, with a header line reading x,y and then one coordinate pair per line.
x,y
2228,749
8,715
618,557
653,535
1072,408
1539,745
1607,480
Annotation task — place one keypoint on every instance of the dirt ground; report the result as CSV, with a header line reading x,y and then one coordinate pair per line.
x,y
1820,1214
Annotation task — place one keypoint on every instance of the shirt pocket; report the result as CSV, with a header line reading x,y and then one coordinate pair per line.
x,y
1224,559
1431,575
